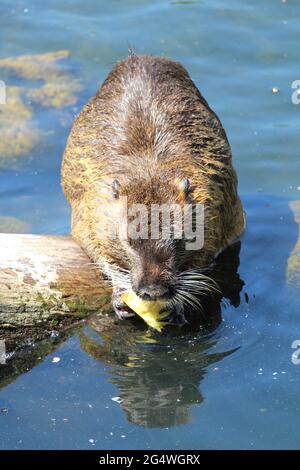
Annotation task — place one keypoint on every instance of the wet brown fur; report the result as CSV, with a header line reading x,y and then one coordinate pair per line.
x,y
148,126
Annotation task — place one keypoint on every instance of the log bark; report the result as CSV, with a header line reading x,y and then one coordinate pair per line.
x,y
45,278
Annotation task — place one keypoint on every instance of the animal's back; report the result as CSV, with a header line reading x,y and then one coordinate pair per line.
x,y
149,122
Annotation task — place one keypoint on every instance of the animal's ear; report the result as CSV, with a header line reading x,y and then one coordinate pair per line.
x,y
184,187
116,189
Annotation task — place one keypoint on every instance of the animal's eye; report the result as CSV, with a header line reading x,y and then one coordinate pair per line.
x,y
184,186
116,189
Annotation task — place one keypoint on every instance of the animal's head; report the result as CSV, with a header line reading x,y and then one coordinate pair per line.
x,y
158,248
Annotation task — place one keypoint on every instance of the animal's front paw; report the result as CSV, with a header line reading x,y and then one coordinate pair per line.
x,y
122,310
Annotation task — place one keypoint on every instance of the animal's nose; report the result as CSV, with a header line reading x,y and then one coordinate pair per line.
x,y
153,292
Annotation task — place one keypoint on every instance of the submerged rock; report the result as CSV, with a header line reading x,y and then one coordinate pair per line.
x,y
13,225
19,134
52,85
293,264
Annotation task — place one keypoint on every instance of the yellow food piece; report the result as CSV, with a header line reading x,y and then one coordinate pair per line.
x,y
148,310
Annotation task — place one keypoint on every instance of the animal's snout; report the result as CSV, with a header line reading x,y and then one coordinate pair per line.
x,y
153,291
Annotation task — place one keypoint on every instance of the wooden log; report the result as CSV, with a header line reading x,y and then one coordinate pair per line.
x,y
47,278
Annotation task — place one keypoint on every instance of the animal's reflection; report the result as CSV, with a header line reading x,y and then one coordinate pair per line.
x,y
158,376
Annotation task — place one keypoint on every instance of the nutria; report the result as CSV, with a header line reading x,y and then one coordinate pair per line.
x,y
149,135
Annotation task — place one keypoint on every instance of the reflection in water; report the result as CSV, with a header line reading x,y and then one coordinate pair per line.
x,y
28,357
158,376
157,383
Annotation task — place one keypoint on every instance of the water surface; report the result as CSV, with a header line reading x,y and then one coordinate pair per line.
x,y
123,387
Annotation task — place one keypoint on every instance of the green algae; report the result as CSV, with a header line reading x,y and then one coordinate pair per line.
x,y
45,82
293,263
13,225
18,132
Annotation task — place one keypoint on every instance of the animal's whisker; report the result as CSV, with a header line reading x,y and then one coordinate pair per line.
x,y
196,281
190,298
115,276
189,301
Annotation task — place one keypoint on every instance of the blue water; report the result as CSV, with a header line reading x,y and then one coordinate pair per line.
x,y
235,387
